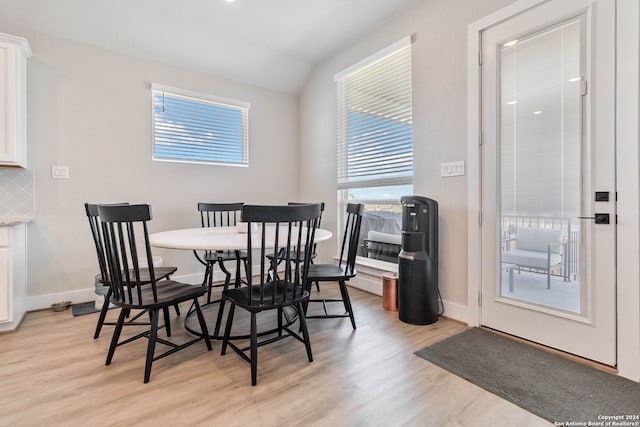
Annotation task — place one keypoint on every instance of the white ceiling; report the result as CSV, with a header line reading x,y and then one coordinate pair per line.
x,y
269,43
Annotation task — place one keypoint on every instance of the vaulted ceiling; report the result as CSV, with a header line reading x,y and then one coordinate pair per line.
x,y
268,43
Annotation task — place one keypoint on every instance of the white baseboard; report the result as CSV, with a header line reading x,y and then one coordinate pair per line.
x,y
12,326
366,282
196,278
40,302
456,311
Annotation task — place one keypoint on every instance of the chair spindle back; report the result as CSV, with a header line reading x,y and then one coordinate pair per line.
x,y
351,235
315,245
120,226
98,238
287,230
219,214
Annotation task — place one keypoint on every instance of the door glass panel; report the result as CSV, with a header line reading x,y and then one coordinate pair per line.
x,y
541,161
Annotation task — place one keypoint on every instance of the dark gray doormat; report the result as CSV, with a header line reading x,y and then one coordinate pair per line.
x,y
84,308
548,385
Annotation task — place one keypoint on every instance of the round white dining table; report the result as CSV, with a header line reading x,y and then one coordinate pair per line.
x,y
218,238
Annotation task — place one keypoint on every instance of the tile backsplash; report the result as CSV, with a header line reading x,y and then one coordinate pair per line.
x,y
16,193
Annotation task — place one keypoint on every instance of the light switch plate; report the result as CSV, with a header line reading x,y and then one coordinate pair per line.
x,y
60,172
452,169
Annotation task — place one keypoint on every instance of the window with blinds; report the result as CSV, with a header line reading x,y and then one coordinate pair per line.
x,y
375,146
375,130
198,128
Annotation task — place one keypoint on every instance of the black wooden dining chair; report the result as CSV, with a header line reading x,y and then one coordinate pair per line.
x,y
315,245
290,229
220,215
123,227
98,239
344,270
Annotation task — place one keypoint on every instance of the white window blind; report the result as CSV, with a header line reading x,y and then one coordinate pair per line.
x,y
375,128
199,128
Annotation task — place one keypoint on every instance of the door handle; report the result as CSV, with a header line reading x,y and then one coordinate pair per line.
x,y
599,218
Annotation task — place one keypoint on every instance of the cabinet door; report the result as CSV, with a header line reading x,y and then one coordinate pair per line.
x,y
13,98
5,54
5,289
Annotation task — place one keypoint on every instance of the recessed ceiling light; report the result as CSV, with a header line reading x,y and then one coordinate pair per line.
x,y
537,112
511,43
575,79
512,102
229,1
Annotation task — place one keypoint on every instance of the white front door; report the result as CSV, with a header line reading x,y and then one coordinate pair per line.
x,y
548,177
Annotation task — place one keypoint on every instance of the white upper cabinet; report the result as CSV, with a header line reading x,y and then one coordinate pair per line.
x,y
14,52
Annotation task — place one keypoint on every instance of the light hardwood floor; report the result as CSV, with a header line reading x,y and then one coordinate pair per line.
x,y
52,373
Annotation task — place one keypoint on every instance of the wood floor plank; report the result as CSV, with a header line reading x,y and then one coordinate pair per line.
x,y
52,372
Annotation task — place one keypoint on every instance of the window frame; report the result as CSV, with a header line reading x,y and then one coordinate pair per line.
x,y
241,106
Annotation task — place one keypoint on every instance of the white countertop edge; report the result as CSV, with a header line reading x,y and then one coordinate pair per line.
x,y
9,221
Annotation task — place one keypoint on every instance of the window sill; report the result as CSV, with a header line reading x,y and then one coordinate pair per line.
x,y
370,271
375,267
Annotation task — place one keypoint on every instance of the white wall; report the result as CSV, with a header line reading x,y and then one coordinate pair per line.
x,y
439,116
90,109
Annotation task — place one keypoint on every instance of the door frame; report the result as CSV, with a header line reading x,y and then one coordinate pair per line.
x,y
627,164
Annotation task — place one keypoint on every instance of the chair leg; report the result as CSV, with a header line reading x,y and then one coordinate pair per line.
x,y
203,324
205,279
347,302
116,334
167,322
153,334
219,318
238,275
227,281
175,305
317,281
227,330
254,350
103,314
280,310
222,299
209,278
246,270
307,287
305,331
